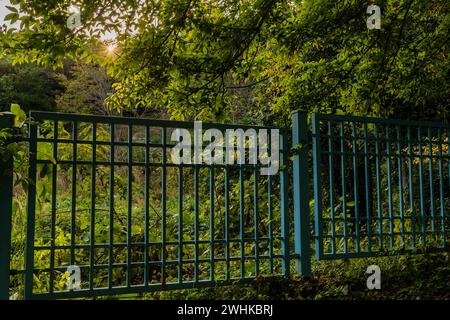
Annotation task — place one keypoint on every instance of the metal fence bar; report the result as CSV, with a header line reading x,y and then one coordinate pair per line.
x,y
284,199
344,187
111,206
256,219
196,224
423,221
397,156
53,210
411,190
211,222
379,191
164,206
6,196
129,204
31,206
227,223
356,188
241,217
270,209
93,207
74,192
390,192
367,174
441,188
180,223
400,184
431,181
317,185
331,184
301,193
147,207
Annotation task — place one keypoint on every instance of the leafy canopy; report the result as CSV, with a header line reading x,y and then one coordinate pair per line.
x,y
202,59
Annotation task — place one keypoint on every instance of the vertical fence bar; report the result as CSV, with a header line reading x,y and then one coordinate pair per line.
x,y
317,186
196,223
430,175
74,192
302,237
93,195
447,216
400,184
129,204
164,206
6,194
410,181
284,197
53,207
111,206
368,189
423,220
270,208
344,186
441,189
227,221
331,184
255,218
241,216
379,193
31,207
147,205
180,221
389,176
356,186
211,221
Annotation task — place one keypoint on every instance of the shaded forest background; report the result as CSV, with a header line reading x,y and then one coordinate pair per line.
x,y
240,61
248,61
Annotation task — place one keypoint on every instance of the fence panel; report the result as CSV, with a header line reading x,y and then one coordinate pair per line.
x,y
109,205
106,198
380,186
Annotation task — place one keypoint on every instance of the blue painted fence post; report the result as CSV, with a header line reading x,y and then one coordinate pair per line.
x,y
301,193
6,193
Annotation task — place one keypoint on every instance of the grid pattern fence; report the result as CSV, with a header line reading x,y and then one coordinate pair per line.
x,y
380,186
106,196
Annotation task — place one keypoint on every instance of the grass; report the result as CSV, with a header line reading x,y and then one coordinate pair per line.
x,y
410,277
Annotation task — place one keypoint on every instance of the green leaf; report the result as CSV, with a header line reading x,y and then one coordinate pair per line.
x,y
13,9
12,17
21,116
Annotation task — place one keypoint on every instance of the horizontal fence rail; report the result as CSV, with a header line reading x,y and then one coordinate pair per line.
x,y
380,186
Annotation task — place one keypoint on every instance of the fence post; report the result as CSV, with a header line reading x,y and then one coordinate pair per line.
x,y
301,193
6,194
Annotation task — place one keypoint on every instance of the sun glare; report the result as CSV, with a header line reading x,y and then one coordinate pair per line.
x,y
110,48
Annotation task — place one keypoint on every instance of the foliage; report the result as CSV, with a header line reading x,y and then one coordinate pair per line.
x,y
202,59
55,204
402,278
251,61
85,89
29,85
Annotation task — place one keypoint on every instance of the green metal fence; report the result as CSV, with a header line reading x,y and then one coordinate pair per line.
x,y
104,195
380,186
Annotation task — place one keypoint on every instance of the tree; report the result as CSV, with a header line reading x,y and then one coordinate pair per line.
x,y
325,58
195,58
86,87
30,86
